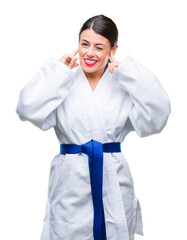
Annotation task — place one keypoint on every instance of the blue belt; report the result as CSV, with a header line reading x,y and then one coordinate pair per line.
x,y
94,150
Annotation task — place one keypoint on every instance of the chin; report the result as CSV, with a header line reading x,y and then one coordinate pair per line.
x,y
88,69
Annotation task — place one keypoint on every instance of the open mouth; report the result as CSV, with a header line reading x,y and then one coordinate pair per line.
x,y
90,62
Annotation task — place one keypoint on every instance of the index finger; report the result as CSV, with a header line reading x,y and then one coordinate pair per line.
x,y
75,52
113,58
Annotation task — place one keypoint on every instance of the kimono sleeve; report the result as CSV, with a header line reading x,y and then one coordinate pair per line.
x,y
39,99
151,105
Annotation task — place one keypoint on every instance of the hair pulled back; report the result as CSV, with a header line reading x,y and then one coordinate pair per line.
x,y
104,26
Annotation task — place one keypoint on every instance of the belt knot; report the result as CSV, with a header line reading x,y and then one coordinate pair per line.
x,y
90,147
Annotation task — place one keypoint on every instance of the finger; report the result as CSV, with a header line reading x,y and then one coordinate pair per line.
x,y
75,52
73,62
69,58
113,58
110,67
76,65
71,65
116,65
75,59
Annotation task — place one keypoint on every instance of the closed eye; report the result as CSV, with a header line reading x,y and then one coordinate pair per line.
x,y
98,48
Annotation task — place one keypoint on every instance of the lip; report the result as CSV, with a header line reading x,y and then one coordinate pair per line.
x,y
94,61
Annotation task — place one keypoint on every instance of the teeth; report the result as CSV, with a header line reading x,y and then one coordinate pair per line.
x,y
89,61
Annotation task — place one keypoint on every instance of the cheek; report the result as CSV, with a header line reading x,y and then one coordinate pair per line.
x,y
104,57
82,52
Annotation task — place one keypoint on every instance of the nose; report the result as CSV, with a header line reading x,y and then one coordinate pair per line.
x,y
90,52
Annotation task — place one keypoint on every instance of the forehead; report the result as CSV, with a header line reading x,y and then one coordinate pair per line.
x,y
91,36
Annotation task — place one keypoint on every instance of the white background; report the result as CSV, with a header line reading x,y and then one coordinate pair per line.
x,y
153,32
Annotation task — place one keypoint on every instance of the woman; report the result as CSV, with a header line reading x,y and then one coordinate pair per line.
x,y
91,193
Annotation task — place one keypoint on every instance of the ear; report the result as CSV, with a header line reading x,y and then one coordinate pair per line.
x,y
113,50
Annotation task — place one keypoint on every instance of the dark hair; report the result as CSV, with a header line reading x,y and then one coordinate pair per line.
x,y
103,26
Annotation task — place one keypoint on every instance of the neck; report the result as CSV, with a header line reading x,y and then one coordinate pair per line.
x,y
95,76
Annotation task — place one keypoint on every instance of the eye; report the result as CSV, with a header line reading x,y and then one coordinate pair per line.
x,y
84,44
99,48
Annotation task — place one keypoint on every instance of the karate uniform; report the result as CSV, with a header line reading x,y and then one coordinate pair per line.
x,y
130,99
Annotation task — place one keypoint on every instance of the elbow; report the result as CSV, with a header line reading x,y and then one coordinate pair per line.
x,y
163,118
151,114
157,120
23,111
26,108
26,114
23,106
163,114
161,111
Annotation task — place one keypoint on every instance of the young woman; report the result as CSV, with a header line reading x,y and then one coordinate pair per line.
x,y
91,193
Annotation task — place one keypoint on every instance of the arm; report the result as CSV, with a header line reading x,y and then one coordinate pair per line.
x,y
39,99
151,105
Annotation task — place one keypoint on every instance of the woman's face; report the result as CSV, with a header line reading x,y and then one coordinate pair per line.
x,y
94,51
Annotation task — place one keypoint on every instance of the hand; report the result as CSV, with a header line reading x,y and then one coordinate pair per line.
x,y
70,60
113,65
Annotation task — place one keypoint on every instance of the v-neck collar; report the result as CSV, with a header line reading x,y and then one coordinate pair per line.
x,y
99,84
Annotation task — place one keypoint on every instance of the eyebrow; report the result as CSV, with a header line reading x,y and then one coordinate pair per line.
x,y
95,44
